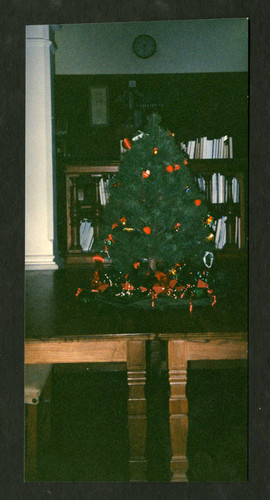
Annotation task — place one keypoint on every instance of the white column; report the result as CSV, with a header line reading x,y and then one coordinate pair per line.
x,y
40,200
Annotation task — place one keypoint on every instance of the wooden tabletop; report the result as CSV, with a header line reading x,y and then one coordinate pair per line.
x,y
52,311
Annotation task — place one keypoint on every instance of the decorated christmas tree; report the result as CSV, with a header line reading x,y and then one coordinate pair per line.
x,y
157,226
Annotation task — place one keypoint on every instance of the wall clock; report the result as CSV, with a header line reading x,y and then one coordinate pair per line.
x,y
144,46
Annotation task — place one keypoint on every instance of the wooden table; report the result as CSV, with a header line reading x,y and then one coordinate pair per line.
x,y
117,348
61,330
181,349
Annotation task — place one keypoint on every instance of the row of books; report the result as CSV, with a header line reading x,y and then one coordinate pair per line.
x,y
219,227
204,148
86,235
103,194
220,232
219,188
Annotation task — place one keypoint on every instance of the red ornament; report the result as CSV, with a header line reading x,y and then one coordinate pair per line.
x,y
177,226
116,184
201,284
155,151
136,265
123,220
177,166
146,174
114,225
98,258
126,143
169,168
185,161
197,202
79,290
147,229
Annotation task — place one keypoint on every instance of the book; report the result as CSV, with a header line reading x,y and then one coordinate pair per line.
x,y
86,235
230,147
102,192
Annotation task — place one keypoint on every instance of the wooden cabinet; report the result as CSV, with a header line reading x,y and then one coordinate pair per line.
x,y
83,200
86,179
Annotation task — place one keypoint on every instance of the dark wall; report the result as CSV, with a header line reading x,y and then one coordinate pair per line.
x,y
191,105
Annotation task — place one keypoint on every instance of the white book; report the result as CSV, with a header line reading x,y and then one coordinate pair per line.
x,y
191,149
218,224
202,151
235,190
201,148
222,147
102,192
197,146
223,182
82,232
230,147
90,238
215,148
201,182
224,232
208,149
83,223
226,190
214,188
222,235
86,235
106,189
218,148
219,188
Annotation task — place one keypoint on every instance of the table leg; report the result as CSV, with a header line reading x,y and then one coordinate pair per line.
x,y
178,407
136,373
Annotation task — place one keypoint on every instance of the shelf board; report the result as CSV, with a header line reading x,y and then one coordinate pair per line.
x,y
219,165
93,168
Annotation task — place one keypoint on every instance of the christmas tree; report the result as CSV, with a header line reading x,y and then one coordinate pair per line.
x,y
157,227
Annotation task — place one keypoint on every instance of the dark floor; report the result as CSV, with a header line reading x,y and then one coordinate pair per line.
x,y
90,433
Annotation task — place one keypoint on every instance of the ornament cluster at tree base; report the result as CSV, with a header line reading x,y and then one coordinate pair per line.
x,y
148,288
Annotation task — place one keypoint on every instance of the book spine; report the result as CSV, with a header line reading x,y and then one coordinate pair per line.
x,y
230,147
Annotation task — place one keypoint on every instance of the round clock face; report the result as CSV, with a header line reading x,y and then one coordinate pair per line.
x,y
144,46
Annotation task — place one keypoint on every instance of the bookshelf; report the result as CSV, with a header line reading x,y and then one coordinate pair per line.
x,y
230,169
83,200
